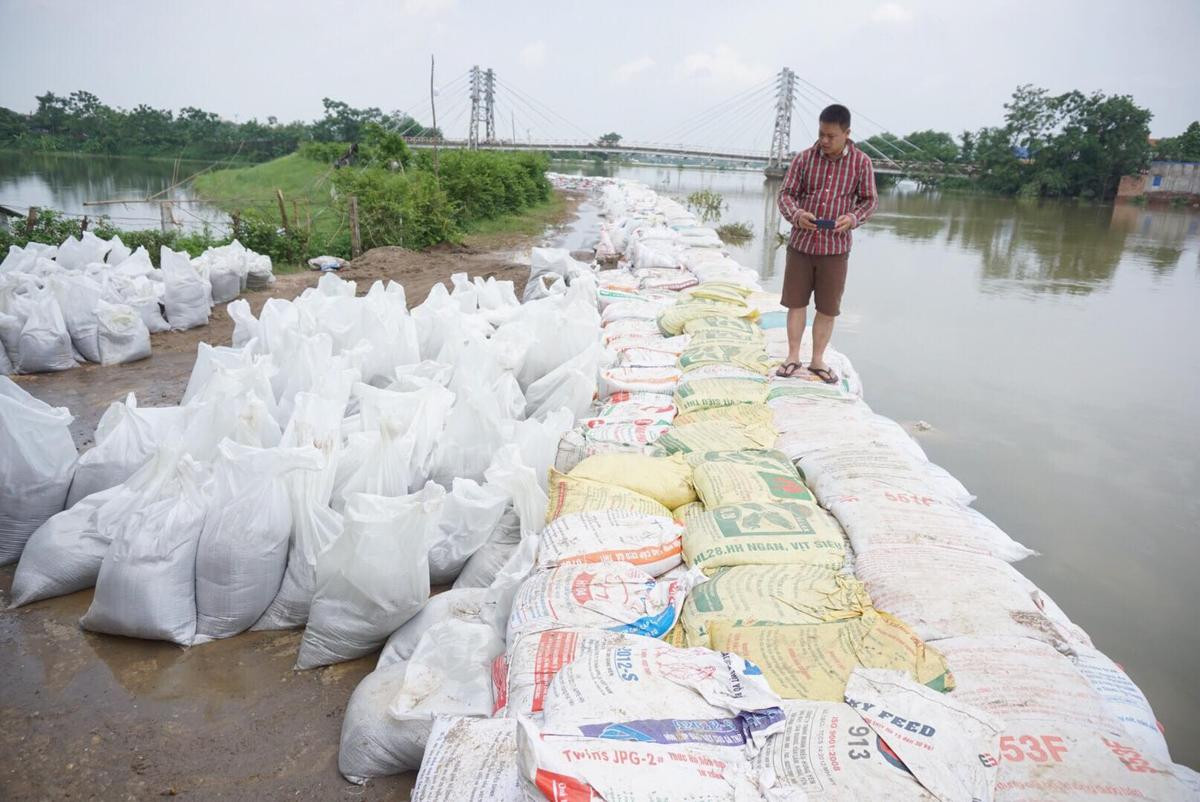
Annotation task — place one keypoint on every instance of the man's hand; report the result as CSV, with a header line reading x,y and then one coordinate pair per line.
x,y
844,223
805,220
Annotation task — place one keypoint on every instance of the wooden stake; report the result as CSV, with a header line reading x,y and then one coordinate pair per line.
x,y
31,221
282,208
237,224
83,225
355,241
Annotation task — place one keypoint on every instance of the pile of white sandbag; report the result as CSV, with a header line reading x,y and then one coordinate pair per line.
x,y
342,458
94,300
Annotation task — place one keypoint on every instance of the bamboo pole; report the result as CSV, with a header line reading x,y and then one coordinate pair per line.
x,y
355,240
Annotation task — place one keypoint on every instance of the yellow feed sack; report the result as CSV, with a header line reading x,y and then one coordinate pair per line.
x,y
723,337
708,435
750,357
706,393
676,636
667,480
732,326
752,415
793,532
718,291
732,477
675,318
814,661
758,595
682,513
570,494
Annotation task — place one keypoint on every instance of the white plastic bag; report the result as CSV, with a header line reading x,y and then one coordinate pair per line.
x,y
45,343
373,578
468,517
466,604
243,549
481,568
78,297
316,423
64,554
470,760
121,333
146,587
125,441
188,298
37,462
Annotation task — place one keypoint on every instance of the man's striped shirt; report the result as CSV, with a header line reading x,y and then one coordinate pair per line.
x,y
828,188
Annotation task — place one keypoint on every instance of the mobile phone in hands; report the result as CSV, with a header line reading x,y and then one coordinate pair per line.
x,y
822,222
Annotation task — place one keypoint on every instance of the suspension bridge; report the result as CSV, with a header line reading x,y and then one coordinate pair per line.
x,y
751,129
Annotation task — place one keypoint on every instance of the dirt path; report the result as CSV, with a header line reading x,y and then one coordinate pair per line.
x,y
86,716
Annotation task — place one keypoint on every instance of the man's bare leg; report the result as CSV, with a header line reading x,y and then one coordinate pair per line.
x,y
822,333
796,320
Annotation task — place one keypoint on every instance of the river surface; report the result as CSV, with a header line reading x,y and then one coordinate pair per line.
x,y
1055,350
66,182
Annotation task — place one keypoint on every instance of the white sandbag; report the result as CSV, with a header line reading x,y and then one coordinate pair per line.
x,y
468,518
118,251
879,516
1123,700
373,578
1059,741
37,462
510,472
863,465
45,343
473,433
522,677
465,604
470,760
137,264
125,441
6,365
78,297
653,543
141,294
64,554
245,326
652,692
947,745
187,298
373,744
243,549
315,526
481,568
572,385
615,596
121,334
942,592
563,767
560,330
146,587
73,253
226,285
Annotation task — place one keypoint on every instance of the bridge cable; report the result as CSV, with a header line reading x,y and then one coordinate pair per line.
x,y
716,108
726,117
535,103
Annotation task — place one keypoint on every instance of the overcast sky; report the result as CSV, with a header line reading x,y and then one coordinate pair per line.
x,y
644,69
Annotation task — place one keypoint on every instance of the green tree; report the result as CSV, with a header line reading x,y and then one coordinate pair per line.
x,y
1182,148
933,145
609,139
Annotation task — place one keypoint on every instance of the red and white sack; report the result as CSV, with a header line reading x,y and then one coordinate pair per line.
x,y
1124,701
1059,742
653,692
636,379
615,596
882,516
858,466
651,542
942,593
565,768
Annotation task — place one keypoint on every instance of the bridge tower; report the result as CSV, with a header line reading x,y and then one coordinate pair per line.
x,y
476,89
489,104
781,139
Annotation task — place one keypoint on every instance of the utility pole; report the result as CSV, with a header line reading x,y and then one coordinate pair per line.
x,y
781,138
433,112
489,102
476,84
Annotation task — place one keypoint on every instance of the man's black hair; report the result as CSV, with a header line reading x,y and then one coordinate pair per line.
x,y
837,113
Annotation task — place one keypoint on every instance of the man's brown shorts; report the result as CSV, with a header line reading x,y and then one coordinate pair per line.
x,y
805,275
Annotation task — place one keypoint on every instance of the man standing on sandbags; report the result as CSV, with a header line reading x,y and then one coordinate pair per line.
x,y
829,190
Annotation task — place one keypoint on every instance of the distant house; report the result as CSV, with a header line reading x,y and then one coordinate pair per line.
x,y
1162,181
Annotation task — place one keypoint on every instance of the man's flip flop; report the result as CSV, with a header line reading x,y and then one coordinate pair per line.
x,y
788,369
824,374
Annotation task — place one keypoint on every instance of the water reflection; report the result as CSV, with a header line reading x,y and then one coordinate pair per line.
x,y
65,181
1024,247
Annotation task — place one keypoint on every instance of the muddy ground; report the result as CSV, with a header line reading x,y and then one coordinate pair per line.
x,y
87,716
